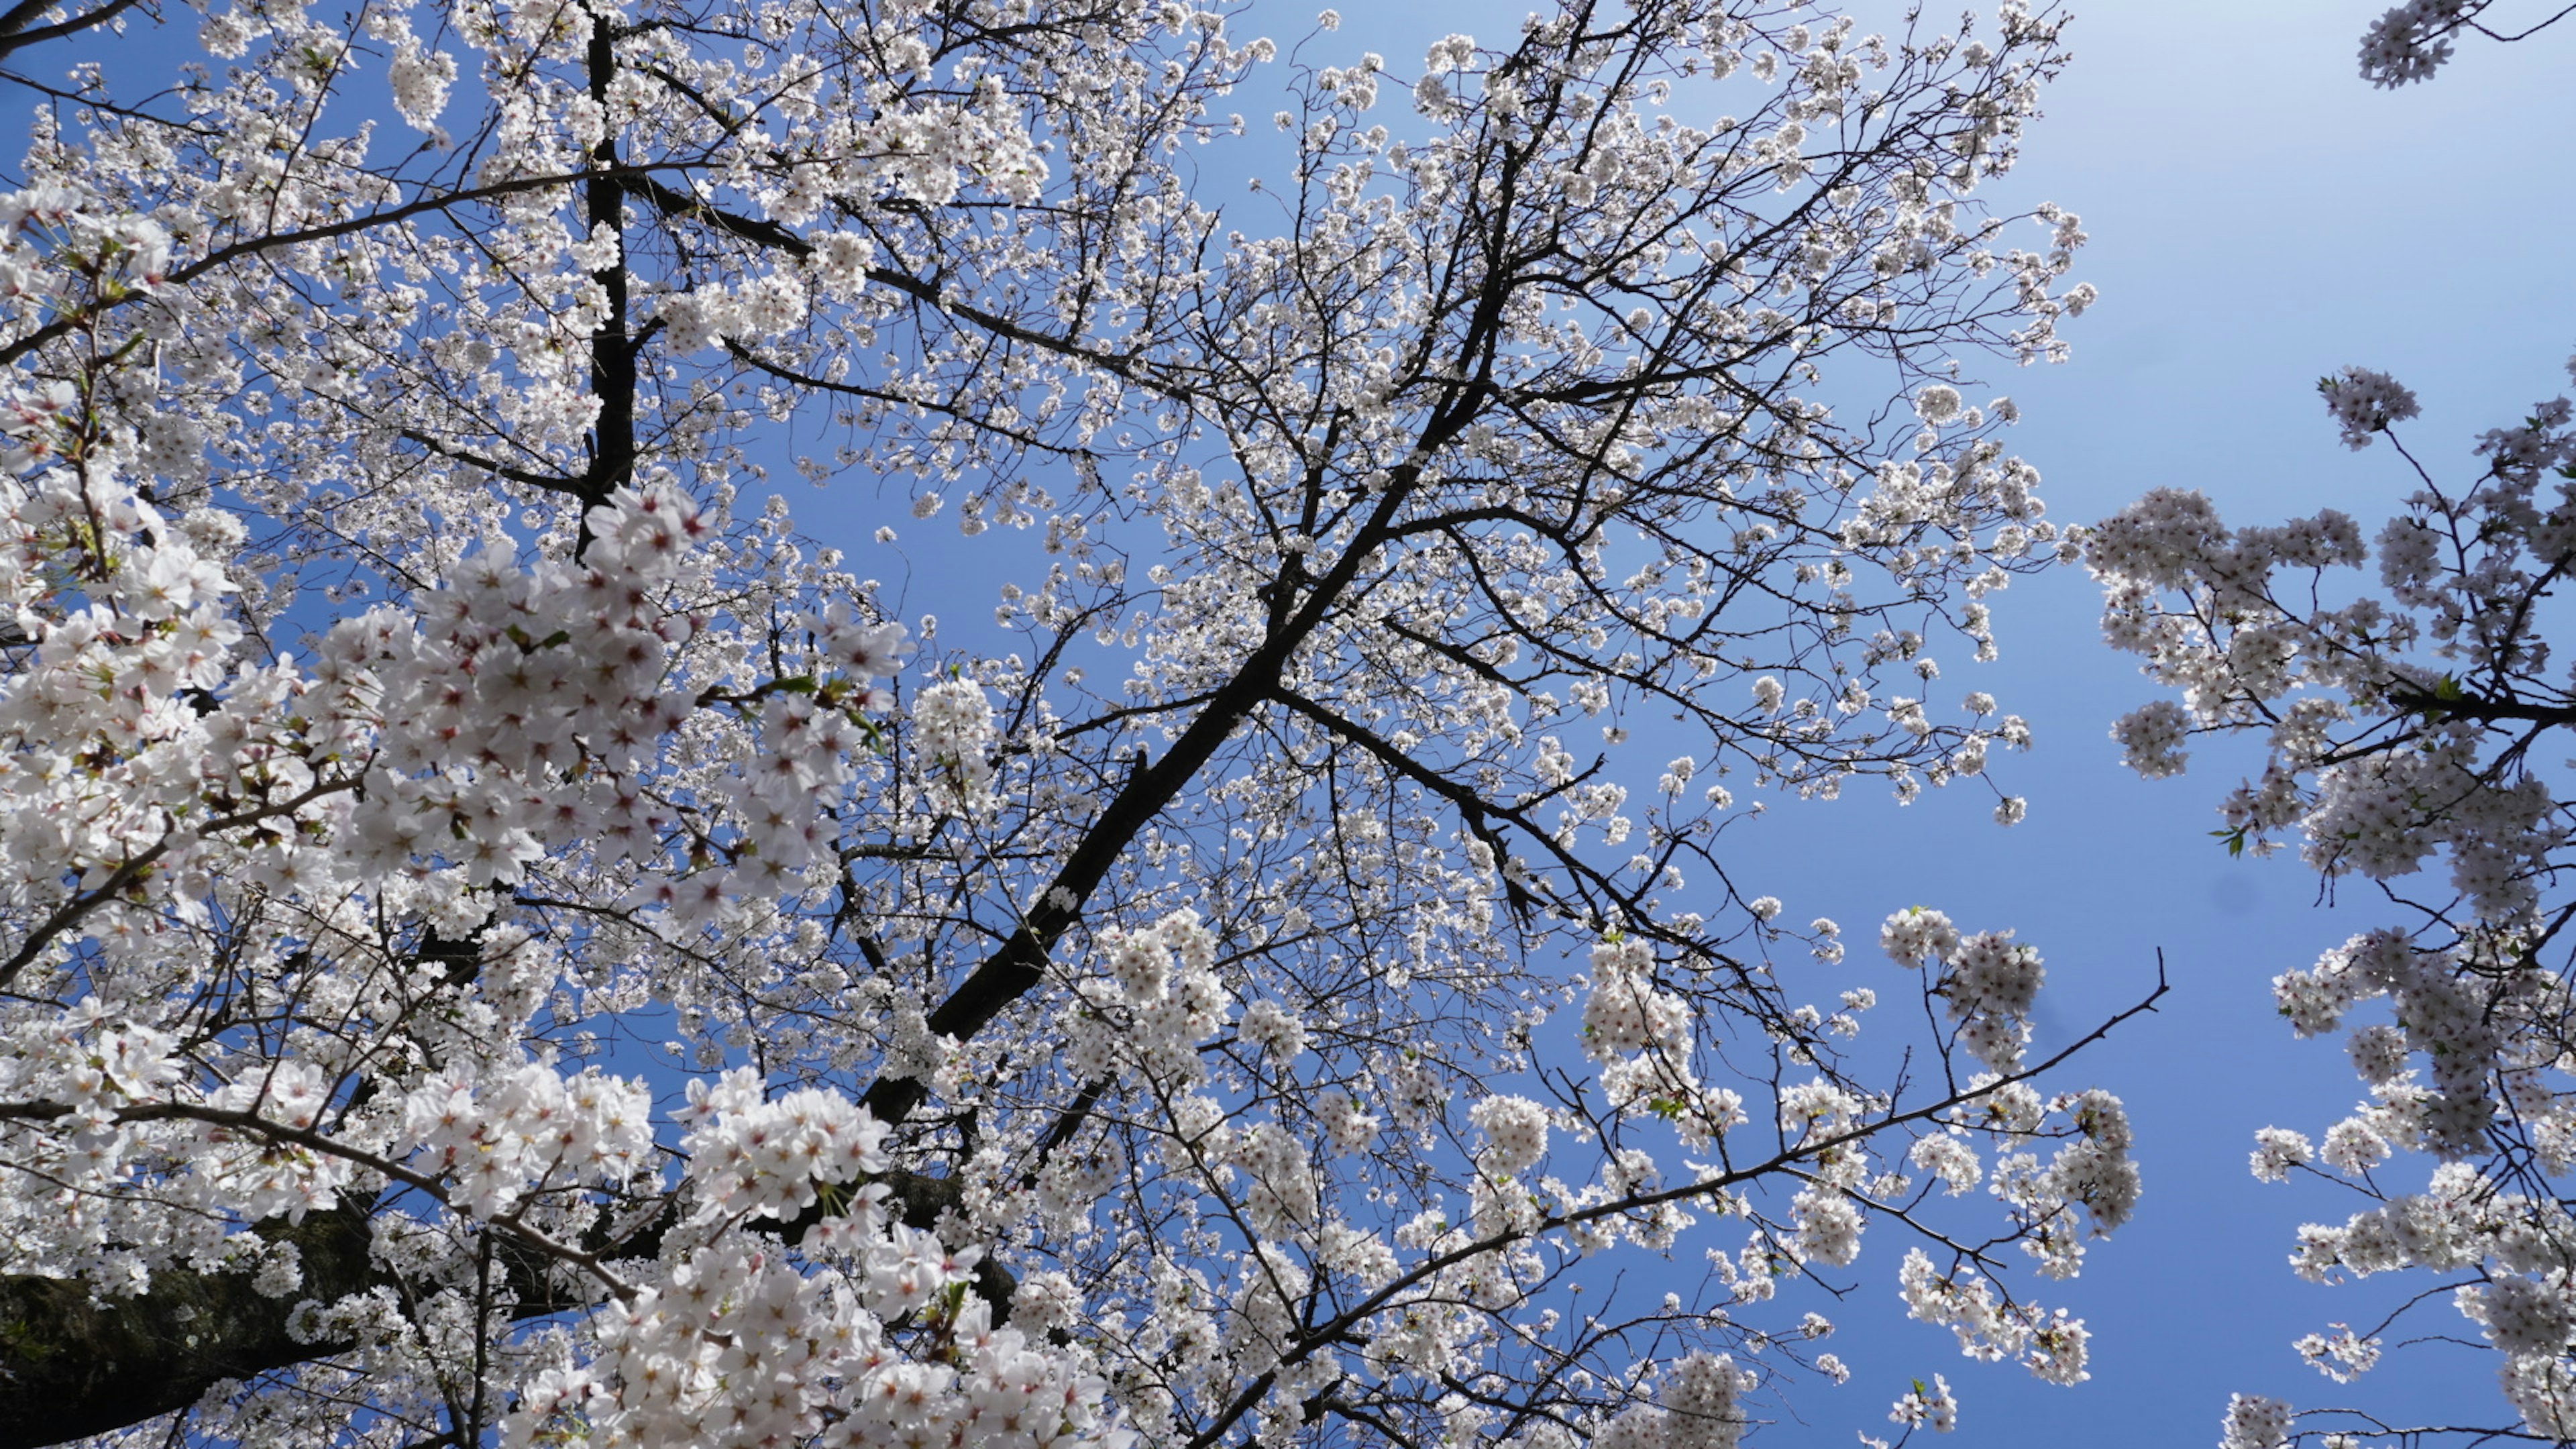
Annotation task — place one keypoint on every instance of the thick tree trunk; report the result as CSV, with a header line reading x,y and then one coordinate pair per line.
x,y
71,1365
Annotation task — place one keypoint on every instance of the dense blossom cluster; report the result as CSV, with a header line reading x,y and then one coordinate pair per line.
x,y
2412,40
740,1350
1695,1408
1987,981
2255,1422
502,939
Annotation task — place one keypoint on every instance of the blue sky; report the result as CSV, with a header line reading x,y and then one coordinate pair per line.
x,y
2260,217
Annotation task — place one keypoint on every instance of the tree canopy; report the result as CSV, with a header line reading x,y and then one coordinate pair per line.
x,y
503,937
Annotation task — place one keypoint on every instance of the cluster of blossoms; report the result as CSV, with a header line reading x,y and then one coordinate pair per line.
x,y
494,1142
2410,41
2401,728
952,729
2438,1011
1637,1030
1159,999
2255,1422
1695,1408
2092,1171
1987,981
1515,1131
724,1342
63,252
738,1349
2364,401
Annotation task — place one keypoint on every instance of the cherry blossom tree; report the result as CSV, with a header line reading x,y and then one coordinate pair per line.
x,y
506,940
2412,740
